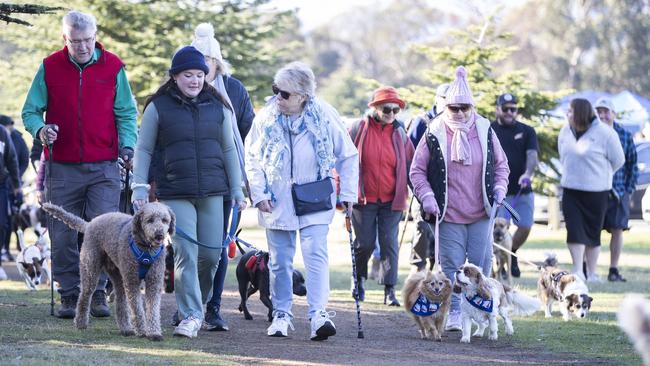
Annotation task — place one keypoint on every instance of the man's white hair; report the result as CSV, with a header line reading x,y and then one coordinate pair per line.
x,y
79,21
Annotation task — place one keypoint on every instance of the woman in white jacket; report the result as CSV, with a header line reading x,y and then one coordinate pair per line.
x,y
298,138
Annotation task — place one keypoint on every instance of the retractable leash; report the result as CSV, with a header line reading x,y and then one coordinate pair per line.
x,y
500,247
231,236
348,226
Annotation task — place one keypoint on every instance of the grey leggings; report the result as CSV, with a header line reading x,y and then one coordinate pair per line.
x,y
464,241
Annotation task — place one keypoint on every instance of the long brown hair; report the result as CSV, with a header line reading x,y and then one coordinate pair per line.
x,y
583,114
170,86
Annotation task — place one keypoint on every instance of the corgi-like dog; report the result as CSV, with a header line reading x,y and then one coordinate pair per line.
x,y
555,284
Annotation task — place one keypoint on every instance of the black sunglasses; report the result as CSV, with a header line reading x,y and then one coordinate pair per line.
x,y
457,108
387,110
510,109
283,94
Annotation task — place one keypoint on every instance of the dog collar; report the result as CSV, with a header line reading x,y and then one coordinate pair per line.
x,y
424,307
480,303
145,260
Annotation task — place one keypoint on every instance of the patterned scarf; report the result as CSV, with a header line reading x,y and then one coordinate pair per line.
x,y
460,148
270,147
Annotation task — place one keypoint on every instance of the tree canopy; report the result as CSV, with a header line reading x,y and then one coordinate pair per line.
x,y
145,35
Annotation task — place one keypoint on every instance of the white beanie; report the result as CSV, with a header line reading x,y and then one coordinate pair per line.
x,y
205,42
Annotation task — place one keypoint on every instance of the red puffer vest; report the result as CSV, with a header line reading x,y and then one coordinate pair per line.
x,y
81,104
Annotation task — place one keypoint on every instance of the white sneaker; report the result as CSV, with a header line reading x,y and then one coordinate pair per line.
x,y
280,325
188,327
322,326
454,322
594,278
3,274
580,275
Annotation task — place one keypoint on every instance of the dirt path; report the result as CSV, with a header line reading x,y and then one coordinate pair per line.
x,y
390,339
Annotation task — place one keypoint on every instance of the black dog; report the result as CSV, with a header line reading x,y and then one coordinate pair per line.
x,y
253,274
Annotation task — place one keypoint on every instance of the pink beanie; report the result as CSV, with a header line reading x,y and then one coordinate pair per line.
x,y
459,91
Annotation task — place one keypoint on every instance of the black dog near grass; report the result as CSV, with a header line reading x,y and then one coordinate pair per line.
x,y
253,275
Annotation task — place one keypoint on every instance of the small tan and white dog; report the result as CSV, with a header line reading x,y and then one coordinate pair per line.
x,y
427,297
32,262
634,319
502,236
484,298
569,290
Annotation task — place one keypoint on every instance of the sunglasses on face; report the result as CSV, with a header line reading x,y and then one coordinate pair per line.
x,y
457,108
510,109
283,94
387,110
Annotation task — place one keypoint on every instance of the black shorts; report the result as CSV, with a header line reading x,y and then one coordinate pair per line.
x,y
584,215
618,213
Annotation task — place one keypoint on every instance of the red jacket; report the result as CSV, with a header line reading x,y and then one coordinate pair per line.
x,y
81,104
402,150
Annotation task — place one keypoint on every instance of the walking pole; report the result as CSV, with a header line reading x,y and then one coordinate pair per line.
x,y
348,226
49,224
401,240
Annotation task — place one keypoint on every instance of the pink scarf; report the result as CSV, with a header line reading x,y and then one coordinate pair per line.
x,y
460,149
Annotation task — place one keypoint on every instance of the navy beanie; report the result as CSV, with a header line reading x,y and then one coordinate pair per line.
x,y
188,58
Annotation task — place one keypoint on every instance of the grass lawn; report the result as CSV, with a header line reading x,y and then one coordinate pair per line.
x,y
28,335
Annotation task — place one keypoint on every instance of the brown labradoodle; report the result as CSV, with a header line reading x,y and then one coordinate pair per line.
x,y
106,246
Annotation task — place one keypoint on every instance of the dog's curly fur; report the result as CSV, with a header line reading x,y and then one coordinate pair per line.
x,y
106,247
437,288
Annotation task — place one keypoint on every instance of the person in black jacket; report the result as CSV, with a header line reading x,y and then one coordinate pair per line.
x,y
22,154
8,169
236,95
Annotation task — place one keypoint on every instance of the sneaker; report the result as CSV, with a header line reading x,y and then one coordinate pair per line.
x,y
516,273
280,325
454,322
188,327
213,320
594,278
580,275
3,274
68,308
98,305
613,276
175,319
322,326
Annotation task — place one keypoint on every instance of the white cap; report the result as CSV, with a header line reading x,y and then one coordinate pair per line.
x,y
604,102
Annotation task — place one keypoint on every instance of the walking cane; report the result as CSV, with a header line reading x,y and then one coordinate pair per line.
x,y
49,225
401,240
348,226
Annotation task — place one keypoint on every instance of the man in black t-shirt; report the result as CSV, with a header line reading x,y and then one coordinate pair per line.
x,y
519,141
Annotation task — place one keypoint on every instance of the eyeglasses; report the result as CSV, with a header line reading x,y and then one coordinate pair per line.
x,y
77,42
510,109
387,110
457,108
283,94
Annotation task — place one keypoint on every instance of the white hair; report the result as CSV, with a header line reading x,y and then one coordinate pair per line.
x,y
299,77
78,20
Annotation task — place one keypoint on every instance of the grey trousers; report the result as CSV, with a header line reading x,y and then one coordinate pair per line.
x,y
460,242
86,190
369,221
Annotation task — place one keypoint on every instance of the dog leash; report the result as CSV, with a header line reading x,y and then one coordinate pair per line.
x,y
185,236
500,247
436,245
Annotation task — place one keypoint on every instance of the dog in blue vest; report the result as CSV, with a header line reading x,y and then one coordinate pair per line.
x,y
427,298
484,298
131,250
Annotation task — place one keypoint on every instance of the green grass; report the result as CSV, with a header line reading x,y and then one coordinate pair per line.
x,y
30,337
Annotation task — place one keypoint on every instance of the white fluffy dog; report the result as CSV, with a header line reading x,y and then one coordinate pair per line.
x,y
484,298
634,319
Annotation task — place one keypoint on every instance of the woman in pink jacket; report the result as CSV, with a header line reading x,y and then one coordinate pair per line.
x,y
458,173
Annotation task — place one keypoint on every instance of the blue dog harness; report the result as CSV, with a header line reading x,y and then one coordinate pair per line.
x,y
480,303
145,260
424,306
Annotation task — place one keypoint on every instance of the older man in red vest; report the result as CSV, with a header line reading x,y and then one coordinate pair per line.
x,y
90,120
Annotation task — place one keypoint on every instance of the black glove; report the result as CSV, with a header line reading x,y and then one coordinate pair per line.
x,y
126,153
48,134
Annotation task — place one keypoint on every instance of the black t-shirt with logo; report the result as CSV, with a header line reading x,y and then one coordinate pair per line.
x,y
515,140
